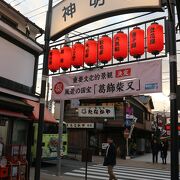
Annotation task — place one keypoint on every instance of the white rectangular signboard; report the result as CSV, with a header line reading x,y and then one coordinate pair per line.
x,y
80,125
70,14
132,79
96,111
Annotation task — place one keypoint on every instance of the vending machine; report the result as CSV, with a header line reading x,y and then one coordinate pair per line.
x,y
23,163
3,164
13,161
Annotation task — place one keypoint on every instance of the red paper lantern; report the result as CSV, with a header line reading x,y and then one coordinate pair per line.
x,y
65,58
105,49
137,42
155,40
78,55
53,60
90,56
120,46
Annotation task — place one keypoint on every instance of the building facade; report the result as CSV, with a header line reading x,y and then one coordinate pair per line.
x,y
95,120
19,54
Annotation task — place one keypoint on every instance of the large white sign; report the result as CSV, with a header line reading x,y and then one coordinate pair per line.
x,y
16,64
70,14
131,79
96,111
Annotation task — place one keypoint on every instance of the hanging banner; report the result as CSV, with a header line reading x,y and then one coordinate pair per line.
x,y
96,111
119,81
70,14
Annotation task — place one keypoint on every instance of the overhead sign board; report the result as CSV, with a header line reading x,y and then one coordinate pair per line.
x,y
119,81
96,111
70,14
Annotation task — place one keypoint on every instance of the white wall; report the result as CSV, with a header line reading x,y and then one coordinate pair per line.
x,y
16,64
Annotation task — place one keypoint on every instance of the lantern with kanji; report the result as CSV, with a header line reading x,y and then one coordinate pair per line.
x,y
53,60
105,49
65,58
137,42
155,40
120,46
78,55
90,55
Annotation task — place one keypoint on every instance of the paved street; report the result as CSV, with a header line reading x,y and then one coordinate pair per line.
x,y
139,168
122,172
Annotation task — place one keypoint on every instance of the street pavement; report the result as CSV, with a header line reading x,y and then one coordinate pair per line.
x,y
138,168
96,172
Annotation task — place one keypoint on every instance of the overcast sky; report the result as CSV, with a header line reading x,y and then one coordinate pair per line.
x,y
35,10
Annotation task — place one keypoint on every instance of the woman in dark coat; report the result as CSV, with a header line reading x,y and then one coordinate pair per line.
x,y
110,158
155,150
164,150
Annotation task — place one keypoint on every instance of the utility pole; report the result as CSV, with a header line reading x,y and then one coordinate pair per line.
x,y
43,92
173,86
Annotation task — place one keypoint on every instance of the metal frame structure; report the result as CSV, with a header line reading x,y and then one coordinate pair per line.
x,y
110,33
173,82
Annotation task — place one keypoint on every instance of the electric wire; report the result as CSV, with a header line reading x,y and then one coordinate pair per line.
x,y
19,3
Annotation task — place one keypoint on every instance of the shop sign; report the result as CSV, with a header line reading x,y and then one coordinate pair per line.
x,y
119,81
70,14
104,145
80,125
96,111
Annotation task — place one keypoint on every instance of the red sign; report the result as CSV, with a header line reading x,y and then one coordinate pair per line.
x,y
58,88
123,73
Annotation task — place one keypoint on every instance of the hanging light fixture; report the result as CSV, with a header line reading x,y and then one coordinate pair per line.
x,y
105,49
53,60
90,55
78,55
65,57
155,39
137,42
120,46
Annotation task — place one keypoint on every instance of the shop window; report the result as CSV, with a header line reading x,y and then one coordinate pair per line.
x,y
50,128
20,132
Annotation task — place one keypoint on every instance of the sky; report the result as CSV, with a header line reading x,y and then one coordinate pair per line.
x,y
35,10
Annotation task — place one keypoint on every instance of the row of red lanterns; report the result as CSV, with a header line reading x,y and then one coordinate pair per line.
x,y
105,48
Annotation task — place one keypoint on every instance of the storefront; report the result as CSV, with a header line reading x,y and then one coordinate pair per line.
x,y
111,124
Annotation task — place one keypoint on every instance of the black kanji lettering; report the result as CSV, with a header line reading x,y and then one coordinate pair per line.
x,y
102,88
97,77
130,85
111,87
109,75
103,75
96,3
90,111
108,111
120,87
75,79
88,89
86,78
69,11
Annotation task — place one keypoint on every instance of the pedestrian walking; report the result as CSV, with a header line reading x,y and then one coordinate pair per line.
x,y
164,149
155,150
110,158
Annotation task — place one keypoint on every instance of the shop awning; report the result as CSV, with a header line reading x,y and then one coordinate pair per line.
x,y
48,117
13,114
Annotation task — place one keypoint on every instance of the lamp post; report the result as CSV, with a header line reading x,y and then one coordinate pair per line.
x,y
173,86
